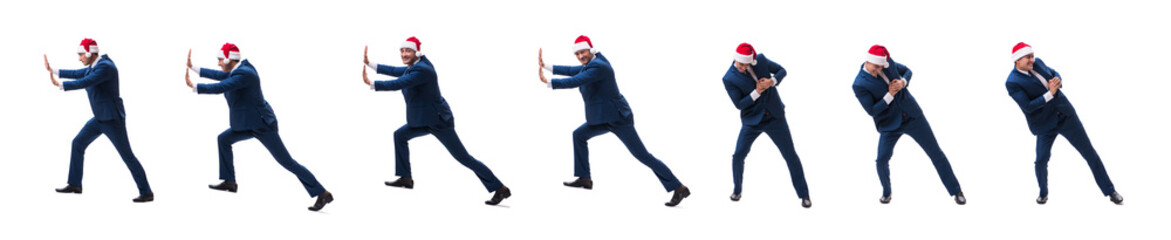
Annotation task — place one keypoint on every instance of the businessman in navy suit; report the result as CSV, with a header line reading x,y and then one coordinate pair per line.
x,y
751,83
881,89
1036,88
427,113
100,80
606,111
250,117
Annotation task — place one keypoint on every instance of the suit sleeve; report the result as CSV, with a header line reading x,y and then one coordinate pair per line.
x,y
904,72
741,100
229,84
1022,99
212,74
584,77
872,105
98,75
391,70
407,80
74,74
778,72
566,70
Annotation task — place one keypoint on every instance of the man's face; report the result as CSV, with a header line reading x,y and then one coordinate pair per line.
x,y
226,65
872,68
85,60
407,55
1025,63
742,67
584,56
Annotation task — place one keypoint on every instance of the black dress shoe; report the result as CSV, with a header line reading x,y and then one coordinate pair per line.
x,y
806,203
1114,197
735,197
70,189
960,199
884,199
1042,200
500,195
581,183
145,198
403,182
224,186
680,193
324,198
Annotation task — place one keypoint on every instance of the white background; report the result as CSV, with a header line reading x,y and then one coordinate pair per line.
x,y
669,58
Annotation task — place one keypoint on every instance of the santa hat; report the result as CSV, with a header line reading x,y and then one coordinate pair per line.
x,y
878,55
230,52
745,54
88,46
412,43
1021,50
583,42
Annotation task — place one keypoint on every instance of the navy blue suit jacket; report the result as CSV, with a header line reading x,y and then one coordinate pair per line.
x,y
870,91
595,80
241,87
101,85
1027,91
420,86
741,85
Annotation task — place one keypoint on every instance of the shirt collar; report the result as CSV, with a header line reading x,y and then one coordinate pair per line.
x,y
237,66
594,58
95,62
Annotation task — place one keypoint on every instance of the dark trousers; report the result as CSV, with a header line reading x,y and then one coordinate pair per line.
x,y
271,139
1071,128
115,130
447,136
777,129
626,133
919,130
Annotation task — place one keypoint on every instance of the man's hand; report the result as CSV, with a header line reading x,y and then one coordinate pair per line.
x,y
762,85
541,72
50,69
365,78
189,60
896,86
366,58
540,57
768,81
188,77
1054,84
54,80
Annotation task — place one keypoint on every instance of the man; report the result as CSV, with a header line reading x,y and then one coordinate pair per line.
x,y
1036,89
751,82
251,117
881,89
100,80
606,111
427,113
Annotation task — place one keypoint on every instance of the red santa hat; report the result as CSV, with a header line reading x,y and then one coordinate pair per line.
x,y
88,46
230,52
583,42
1021,50
878,55
412,43
745,54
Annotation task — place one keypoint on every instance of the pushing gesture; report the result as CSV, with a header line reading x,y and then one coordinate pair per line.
x,y
50,69
541,63
187,76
